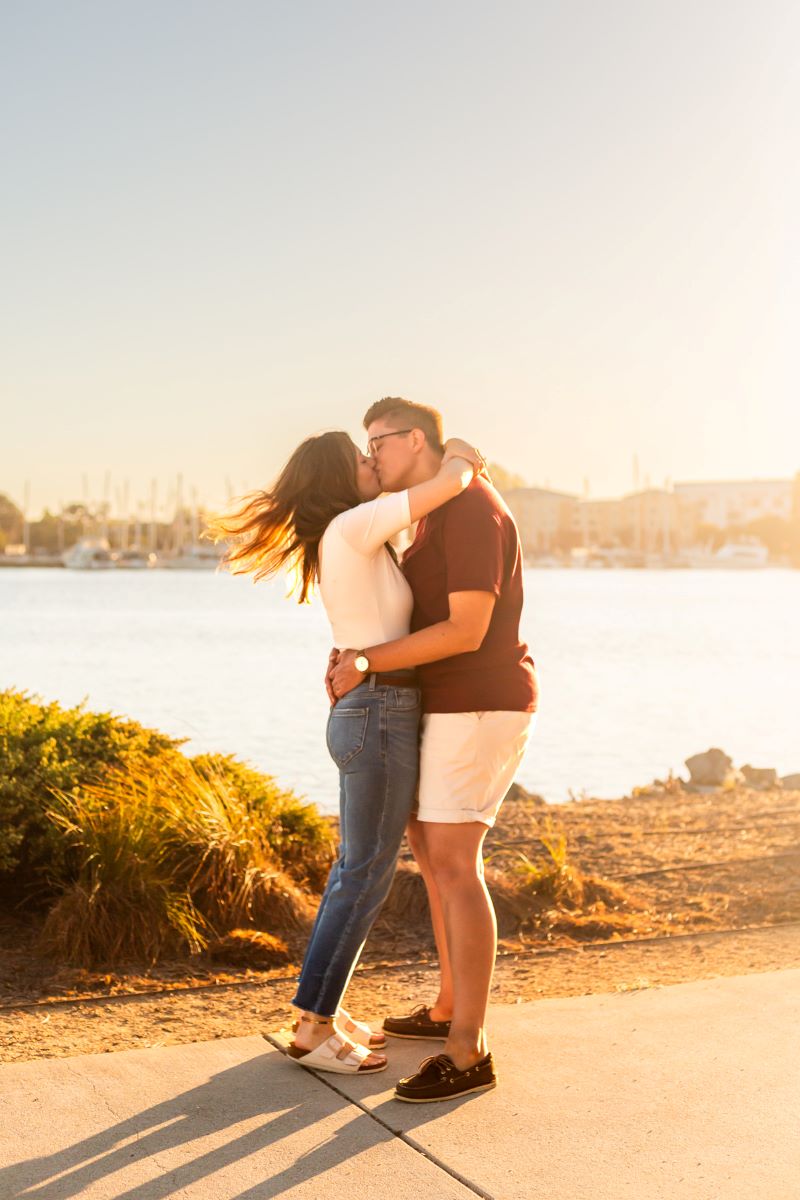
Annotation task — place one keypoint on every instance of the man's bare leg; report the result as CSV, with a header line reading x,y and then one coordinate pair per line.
x,y
442,1009
454,857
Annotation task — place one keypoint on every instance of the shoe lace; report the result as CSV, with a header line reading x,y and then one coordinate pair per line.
x,y
440,1062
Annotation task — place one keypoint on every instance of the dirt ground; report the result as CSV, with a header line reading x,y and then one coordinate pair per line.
x,y
690,885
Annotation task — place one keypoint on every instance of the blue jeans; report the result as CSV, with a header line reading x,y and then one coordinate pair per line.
x,y
373,737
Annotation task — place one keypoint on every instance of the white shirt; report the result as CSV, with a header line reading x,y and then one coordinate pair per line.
x,y
364,591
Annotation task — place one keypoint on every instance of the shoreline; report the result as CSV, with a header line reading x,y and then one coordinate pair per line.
x,y
46,561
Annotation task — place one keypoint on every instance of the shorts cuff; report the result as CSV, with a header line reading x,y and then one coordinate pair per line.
x,y
449,816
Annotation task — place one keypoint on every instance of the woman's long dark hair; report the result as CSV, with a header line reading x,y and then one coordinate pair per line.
x,y
282,528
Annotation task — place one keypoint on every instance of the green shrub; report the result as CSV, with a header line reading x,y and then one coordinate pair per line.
x,y
46,748
140,850
299,836
124,902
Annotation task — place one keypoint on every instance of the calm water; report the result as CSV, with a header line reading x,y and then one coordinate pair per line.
x,y
639,669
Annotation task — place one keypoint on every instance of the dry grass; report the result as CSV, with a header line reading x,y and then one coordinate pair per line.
x,y
99,925
553,895
219,847
163,860
249,948
569,901
300,838
555,881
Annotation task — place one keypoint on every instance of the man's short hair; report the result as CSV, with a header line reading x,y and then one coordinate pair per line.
x,y
406,412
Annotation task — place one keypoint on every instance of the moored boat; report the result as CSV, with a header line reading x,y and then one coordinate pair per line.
x,y
89,554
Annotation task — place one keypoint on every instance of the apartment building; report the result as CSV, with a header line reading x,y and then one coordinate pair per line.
x,y
736,502
652,521
546,520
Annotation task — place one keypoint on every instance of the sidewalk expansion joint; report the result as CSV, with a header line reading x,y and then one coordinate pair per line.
x,y
403,1137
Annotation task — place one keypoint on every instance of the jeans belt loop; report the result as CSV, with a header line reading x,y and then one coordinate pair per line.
x,y
373,679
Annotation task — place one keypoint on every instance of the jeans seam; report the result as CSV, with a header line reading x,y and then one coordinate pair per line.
x,y
367,879
384,727
380,843
367,886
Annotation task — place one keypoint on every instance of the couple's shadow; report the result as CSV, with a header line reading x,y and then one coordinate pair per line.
x,y
272,1098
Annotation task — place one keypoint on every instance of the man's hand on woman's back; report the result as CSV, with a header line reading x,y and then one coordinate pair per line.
x,y
344,675
333,658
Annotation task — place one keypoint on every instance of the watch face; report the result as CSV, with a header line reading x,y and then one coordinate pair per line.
x,y
362,662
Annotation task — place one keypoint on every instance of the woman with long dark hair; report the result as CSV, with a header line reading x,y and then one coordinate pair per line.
x,y
325,521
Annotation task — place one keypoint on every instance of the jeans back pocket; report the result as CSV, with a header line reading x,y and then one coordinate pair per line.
x,y
346,733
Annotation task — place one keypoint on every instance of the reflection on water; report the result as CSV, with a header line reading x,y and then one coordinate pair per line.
x,y
639,669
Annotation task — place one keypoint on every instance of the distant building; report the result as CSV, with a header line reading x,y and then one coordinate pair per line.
x,y
546,520
644,521
599,523
651,521
735,502
795,527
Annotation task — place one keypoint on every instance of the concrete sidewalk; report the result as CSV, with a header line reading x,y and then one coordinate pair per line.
x,y
691,1091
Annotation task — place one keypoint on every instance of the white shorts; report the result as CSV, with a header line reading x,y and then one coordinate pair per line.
x,y
468,762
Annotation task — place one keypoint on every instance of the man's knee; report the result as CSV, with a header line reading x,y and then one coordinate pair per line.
x,y
415,833
451,869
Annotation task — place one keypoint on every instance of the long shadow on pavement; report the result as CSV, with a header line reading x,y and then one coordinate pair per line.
x,y
253,1089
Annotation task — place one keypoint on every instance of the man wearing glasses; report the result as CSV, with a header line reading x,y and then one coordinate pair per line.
x,y
479,697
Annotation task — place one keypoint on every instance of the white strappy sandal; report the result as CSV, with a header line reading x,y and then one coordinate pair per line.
x,y
357,1031
336,1055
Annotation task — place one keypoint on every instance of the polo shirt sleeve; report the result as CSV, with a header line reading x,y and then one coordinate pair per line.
x,y
473,545
368,526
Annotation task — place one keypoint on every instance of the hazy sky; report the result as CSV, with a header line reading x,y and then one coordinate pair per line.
x,y
570,225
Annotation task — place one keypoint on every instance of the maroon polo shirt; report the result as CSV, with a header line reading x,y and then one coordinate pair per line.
x,y
471,544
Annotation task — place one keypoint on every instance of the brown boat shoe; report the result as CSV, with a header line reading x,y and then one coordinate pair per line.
x,y
438,1078
417,1024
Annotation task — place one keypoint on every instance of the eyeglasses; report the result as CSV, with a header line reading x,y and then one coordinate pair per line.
x,y
372,444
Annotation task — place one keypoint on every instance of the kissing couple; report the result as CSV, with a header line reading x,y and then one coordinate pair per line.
x,y
433,700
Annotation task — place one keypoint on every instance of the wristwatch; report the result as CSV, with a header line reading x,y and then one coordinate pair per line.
x,y
361,663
